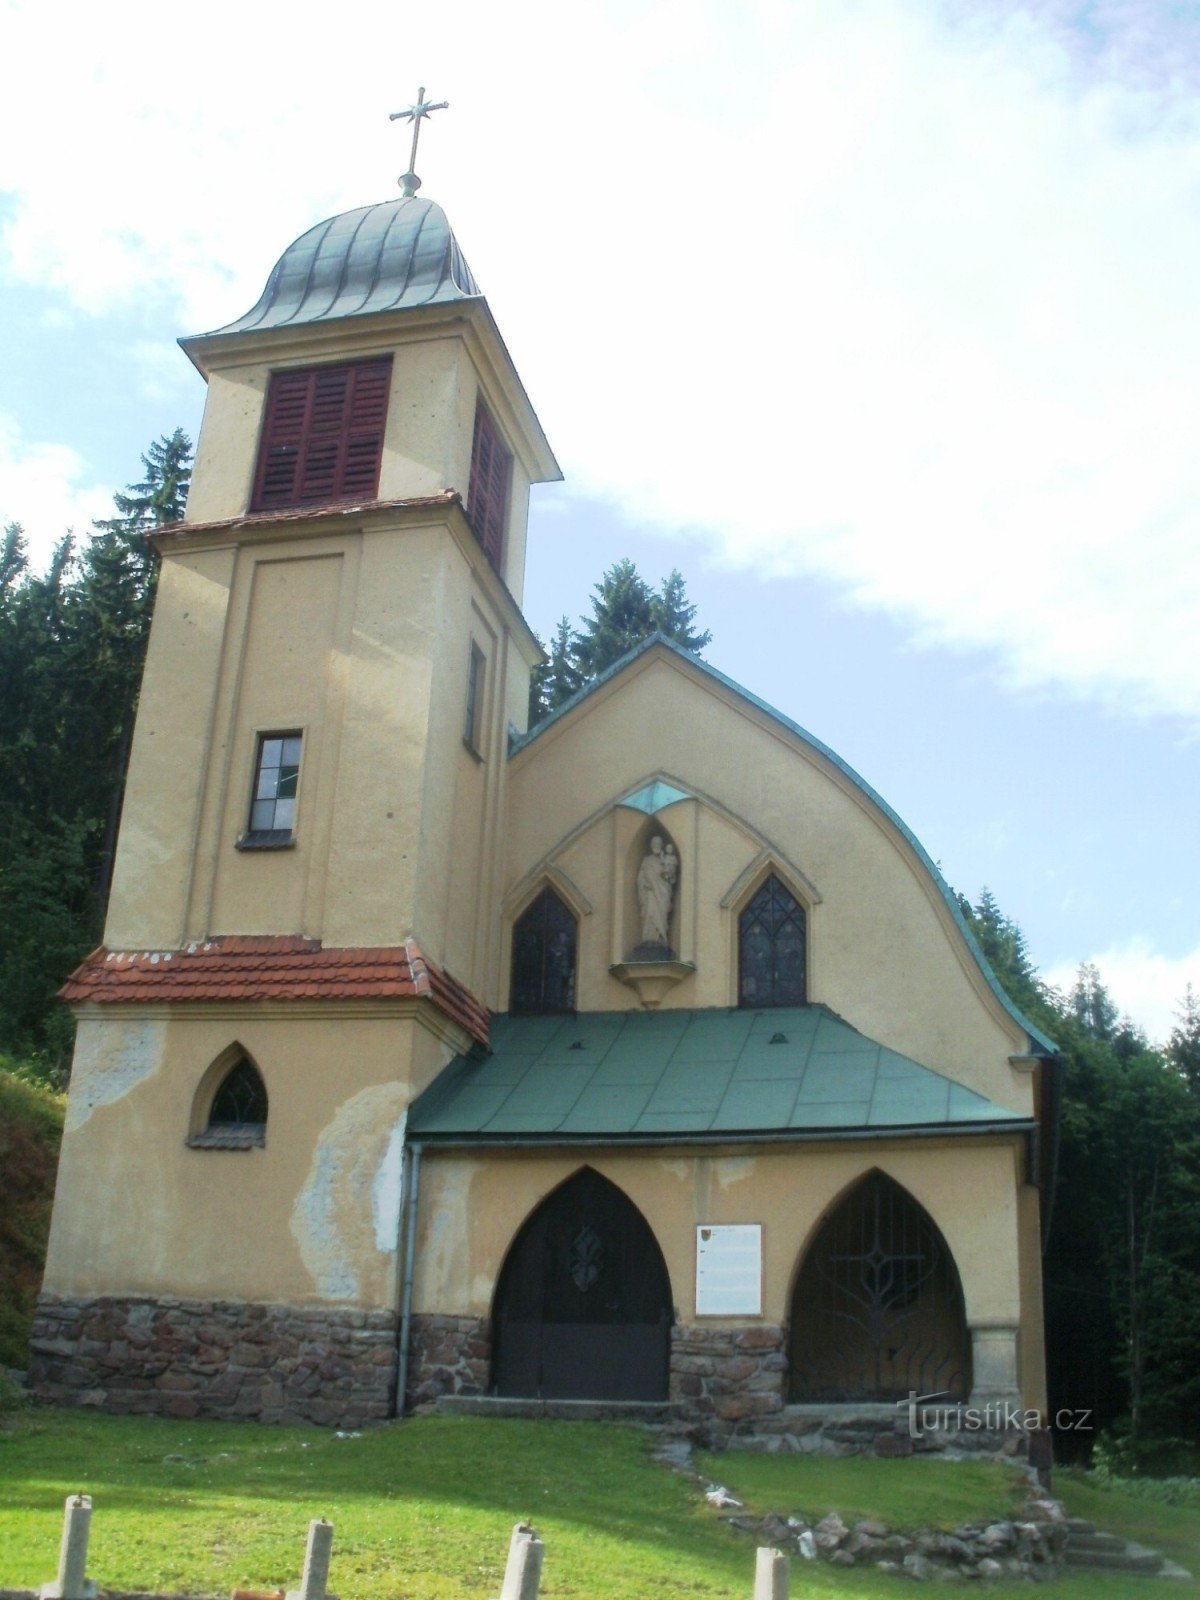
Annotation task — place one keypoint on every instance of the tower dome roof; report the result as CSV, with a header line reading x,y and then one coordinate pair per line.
x,y
386,257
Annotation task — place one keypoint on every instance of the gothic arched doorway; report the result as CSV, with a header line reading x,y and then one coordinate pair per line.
x,y
877,1310
583,1306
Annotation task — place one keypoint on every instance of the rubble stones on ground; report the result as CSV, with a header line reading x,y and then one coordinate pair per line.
x,y
1025,1548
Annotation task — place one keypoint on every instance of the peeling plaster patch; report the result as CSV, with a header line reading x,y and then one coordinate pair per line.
x,y
109,1062
388,1190
337,1232
676,1169
447,1226
735,1169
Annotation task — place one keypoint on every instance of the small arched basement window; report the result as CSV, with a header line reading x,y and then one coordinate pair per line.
x,y
771,948
543,957
237,1114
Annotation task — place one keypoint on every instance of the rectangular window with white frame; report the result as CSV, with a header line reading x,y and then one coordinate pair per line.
x,y
272,818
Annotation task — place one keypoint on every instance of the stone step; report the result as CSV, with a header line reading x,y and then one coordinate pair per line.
x,y
1127,1558
1094,1540
491,1405
1090,1548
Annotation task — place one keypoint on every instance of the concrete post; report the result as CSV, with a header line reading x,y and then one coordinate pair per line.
x,y
770,1574
72,1582
316,1562
523,1573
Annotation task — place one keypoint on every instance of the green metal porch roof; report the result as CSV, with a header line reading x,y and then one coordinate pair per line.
x,y
674,1074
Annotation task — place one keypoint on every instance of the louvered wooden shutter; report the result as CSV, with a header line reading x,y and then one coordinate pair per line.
x,y
487,502
322,435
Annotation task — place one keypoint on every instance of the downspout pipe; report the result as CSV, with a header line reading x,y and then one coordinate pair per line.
x,y
413,1188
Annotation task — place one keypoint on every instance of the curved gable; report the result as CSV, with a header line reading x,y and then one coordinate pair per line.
x,y
890,950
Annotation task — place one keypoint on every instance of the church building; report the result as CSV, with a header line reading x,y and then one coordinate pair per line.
x,y
641,1056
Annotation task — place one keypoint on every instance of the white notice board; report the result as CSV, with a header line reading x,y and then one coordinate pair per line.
x,y
729,1269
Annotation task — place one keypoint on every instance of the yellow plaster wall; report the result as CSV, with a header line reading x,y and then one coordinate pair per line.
x,y
1031,1344
284,684
171,746
311,1218
360,639
883,949
227,449
473,1204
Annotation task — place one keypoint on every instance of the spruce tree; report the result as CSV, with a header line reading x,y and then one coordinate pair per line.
x,y
557,678
72,643
622,617
674,614
1183,1047
625,613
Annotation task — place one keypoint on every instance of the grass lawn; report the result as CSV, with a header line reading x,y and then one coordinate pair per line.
x,y
904,1494
424,1508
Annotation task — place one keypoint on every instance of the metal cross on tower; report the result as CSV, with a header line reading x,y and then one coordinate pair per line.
x,y
409,181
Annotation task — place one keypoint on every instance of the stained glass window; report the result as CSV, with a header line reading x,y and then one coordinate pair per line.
x,y
543,967
771,955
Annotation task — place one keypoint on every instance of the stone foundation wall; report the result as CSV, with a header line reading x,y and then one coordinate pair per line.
x,y
448,1356
729,1378
203,1358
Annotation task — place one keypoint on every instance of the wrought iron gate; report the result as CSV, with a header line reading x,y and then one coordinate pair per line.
x,y
877,1309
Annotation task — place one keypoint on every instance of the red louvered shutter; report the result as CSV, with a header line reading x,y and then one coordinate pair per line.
x,y
322,435
487,501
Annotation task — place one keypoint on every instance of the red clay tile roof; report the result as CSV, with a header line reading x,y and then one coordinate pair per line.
x,y
277,967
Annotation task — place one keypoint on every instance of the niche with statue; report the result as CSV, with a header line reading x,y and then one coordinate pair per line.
x,y
656,889
651,964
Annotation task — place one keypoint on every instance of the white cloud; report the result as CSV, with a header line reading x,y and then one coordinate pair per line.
x,y
44,486
894,293
1144,983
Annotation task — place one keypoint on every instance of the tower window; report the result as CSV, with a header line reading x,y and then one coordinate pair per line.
x,y
322,435
476,678
491,474
237,1116
273,800
543,958
771,948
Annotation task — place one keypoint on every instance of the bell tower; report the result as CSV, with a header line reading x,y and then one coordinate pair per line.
x,y
303,920
338,650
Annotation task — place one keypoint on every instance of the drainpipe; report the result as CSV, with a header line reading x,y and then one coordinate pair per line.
x,y
410,1251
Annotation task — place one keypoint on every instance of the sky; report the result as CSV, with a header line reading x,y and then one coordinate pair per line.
x,y
876,318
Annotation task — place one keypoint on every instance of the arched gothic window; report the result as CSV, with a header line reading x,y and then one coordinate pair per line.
x,y
237,1114
771,955
543,957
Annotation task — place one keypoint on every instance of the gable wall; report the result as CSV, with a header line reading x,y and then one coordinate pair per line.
x,y
883,950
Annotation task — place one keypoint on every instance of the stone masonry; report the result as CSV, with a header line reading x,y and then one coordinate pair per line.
x,y
730,1378
448,1356
204,1358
